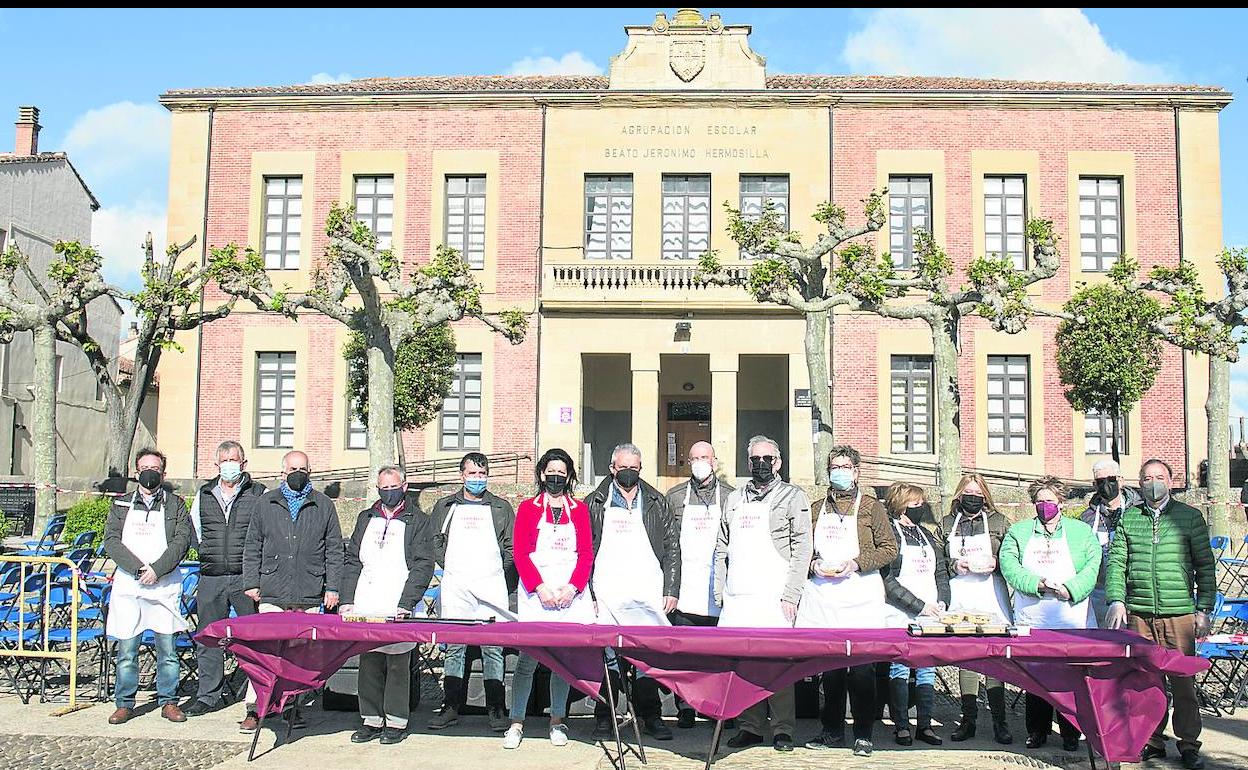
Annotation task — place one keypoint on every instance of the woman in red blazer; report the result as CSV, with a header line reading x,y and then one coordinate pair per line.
x,y
553,550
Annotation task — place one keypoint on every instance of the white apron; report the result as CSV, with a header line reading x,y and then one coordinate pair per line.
x,y
554,555
473,585
134,607
384,575
756,572
973,592
853,601
699,529
1098,607
917,575
628,580
1049,557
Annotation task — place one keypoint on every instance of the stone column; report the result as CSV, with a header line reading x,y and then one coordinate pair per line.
x,y
724,368
645,434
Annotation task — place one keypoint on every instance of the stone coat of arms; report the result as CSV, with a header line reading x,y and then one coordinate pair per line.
x,y
687,58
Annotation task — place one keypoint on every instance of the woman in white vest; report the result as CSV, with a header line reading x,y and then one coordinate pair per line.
x,y
853,539
389,564
1052,563
554,555
915,584
972,533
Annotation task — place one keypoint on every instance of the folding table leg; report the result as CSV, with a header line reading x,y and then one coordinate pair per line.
x,y
621,748
710,755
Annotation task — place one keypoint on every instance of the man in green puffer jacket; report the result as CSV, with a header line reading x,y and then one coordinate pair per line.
x,y
1159,554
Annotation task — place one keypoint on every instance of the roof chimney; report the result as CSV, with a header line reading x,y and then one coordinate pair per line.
x,y
27,131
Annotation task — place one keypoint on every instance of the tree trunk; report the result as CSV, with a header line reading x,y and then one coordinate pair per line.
x,y
948,404
380,401
123,427
400,451
821,402
1114,439
44,429
1217,408
118,446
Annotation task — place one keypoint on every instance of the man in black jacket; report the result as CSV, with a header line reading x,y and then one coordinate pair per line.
x,y
636,578
220,515
292,561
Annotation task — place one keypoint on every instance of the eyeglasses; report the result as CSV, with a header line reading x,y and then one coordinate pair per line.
x,y
840,467
769,459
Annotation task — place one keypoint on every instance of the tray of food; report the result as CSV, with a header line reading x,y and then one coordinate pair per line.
x,y
962,624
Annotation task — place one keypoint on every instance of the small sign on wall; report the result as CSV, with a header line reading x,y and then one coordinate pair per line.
x,y
801,398
560,415
671,449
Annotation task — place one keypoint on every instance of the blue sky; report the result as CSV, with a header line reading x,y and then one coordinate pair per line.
x,y
96,74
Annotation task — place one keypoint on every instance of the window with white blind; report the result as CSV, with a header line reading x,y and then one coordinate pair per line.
x,y
686,216
757,191
911,391
283,221
275,400
609,216
1008,409
461,410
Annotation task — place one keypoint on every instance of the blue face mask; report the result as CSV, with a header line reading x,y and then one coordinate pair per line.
x,y
841,479
475,486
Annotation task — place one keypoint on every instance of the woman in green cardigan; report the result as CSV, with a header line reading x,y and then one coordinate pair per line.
x,y
1051,562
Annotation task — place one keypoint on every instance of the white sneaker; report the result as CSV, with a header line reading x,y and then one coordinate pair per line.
x,y
513,736
559,735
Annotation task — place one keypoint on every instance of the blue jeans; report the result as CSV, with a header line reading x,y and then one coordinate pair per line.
x,y
128,670
522,687
921,676
491,661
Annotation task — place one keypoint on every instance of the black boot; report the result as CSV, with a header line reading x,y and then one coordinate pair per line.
x,y
899,710
966,725
649,708
456,694
924,701
602,711
496,705
1000,726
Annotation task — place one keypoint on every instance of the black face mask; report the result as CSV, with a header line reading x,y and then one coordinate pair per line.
x,y
554,484
297,480
391,497
761,471
150,480
919,513
972,503
627,478
1107,489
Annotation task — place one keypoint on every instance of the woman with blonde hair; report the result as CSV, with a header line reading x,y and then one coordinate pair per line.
x,y
972,533
915,583
1051,563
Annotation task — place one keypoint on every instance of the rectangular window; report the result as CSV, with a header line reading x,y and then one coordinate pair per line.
x,y
1005,218
275,400
757,191
1098,434
283,221
686,215
912,404
1100,222
357,431
374,206
909,209
461,411
58,372
1008,413
609,217
465,218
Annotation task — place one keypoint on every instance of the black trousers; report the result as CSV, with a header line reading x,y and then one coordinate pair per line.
x,y
679,618
1039,718
859,681
214,597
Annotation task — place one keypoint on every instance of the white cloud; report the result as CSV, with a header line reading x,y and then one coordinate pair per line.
x,y
573,63
120,145
324,78
1022,44
118,232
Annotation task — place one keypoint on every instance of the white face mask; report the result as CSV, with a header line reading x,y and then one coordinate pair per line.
x,y
702,470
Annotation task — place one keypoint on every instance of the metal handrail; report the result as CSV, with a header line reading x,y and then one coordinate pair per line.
x,y
424,468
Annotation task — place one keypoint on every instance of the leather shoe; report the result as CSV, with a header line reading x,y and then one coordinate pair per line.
x,y
171,712
365,734
121,716
1152,752
686,718
655,728
743,739
1036,740
1070,744
198,709
250,724
1192,759
782,742
391,736
602,730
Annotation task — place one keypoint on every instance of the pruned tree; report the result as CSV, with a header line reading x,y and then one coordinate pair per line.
x,y
364,288
73,281
168,302
1193,322
1108,353
790,273
424,370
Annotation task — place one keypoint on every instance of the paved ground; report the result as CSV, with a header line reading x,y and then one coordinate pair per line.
x,y
31,739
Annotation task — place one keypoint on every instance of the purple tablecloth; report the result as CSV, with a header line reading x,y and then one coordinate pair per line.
x,y
1108,683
